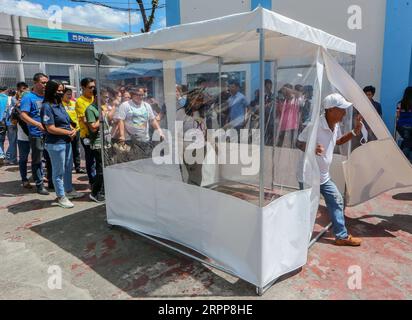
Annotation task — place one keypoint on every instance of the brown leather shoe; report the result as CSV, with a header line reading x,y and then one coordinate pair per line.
x,y
349,241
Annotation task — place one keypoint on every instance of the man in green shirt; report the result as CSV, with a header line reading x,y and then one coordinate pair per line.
x,y
92,117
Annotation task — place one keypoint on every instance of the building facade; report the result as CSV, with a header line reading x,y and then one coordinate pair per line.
x,y
28,45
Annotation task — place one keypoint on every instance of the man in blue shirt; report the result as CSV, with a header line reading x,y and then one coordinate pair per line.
x,y
237,106
30,107
3,128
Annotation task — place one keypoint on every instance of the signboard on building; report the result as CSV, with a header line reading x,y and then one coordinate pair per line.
x,y
61,35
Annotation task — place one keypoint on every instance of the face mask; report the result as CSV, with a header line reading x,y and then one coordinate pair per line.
x,y
59,96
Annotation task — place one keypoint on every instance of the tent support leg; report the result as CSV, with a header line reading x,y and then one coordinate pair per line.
x,y
260,291
262,117
320,235
220,92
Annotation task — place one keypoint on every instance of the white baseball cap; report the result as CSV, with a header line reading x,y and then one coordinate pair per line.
x,y
336,100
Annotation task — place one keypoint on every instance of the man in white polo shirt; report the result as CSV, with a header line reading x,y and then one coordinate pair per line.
x,y
328,137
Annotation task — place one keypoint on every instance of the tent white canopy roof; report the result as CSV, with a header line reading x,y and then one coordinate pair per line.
x,y
232,38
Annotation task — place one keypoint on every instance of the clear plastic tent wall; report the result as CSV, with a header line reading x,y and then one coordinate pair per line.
x,y
200,137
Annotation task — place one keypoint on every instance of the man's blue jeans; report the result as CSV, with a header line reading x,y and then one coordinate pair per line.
x,y
62,163
334,203
37,147
24,151
12,149
90,162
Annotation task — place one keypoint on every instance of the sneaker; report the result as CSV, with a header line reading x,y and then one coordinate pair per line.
x,y
27,185
97,198
65,203
349,241
74,195
79,170
42,191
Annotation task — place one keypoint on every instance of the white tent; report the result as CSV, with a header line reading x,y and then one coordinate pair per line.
x,y
256,241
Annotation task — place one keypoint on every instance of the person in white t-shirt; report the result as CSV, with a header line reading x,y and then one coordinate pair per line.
x,y
328,136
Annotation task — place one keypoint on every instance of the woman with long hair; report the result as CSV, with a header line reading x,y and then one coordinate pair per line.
x,y
70,106
59,134
192,116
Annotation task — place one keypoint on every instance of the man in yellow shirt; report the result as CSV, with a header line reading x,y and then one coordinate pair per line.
x,y
70,106
85,100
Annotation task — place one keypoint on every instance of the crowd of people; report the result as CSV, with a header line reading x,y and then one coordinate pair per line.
x,y
48,122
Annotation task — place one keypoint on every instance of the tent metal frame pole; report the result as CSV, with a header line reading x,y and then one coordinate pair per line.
x,y
320,235
97,59
352,71
186,53
273,115
262,116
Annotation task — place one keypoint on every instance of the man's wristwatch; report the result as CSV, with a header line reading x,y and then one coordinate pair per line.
x,y
353,133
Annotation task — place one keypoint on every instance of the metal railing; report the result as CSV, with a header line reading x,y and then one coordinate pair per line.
x,y
12,72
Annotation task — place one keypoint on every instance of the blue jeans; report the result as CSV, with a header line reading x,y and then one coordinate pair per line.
x,y
37,147
334,203
12,149
62,163
24,151
2,138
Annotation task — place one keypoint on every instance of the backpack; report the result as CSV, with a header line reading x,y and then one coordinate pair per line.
x,y
15,115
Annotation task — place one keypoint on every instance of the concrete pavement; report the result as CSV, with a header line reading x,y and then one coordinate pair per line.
x,y
99,263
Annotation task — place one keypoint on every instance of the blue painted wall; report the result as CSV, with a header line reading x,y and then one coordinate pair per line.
x,y
173,19
172,12
255,67
397,60
263,3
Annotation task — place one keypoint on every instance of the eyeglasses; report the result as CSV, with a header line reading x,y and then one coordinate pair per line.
x,y
93,87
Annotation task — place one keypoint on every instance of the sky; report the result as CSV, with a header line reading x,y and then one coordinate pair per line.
x,y
86,14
